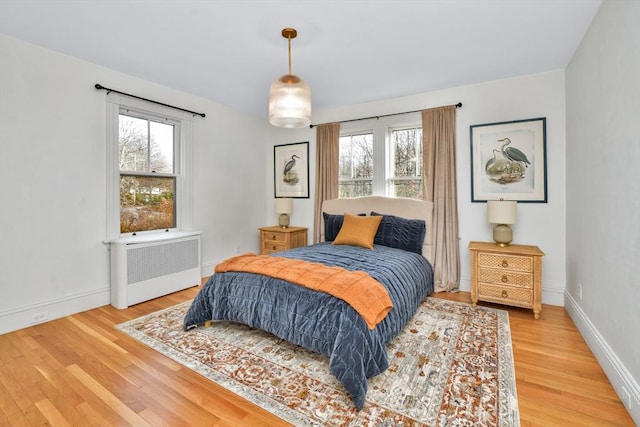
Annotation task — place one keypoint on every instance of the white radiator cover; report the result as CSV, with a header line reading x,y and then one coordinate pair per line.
x,y
146,267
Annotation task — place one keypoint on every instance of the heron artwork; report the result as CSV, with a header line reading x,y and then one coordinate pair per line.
x,y
507,165
289,173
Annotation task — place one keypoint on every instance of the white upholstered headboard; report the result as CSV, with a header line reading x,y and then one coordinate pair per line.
x,y
406,208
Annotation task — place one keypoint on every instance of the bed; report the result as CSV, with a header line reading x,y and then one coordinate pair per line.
x,y
345,332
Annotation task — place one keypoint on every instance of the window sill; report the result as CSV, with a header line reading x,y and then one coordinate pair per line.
x,y
153,237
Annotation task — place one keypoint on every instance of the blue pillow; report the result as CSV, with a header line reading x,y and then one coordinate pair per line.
x,y
400,233
332,225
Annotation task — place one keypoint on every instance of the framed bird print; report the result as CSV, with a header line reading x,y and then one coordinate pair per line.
x,y
509,161
291,170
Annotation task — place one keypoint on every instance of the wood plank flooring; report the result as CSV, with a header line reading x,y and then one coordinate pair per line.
x,y
81,371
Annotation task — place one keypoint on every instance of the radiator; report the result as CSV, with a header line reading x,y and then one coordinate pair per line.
x,y
146,267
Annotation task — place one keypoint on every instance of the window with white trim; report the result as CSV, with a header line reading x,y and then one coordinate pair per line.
x,y
405,162
148,164
381,157
146,147
355,176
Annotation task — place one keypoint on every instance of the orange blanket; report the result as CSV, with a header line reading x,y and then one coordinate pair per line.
x,y
366,295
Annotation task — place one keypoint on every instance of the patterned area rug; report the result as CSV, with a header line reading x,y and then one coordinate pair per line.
x,y
451,366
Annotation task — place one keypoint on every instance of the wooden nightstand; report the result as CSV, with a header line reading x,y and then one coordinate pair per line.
x,y
276,239
509,275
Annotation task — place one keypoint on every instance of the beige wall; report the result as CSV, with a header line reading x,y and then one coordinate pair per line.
x,y
603,194
526,97
53,170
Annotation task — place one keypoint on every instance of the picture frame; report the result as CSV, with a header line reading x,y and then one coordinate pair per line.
x,y
291,170
509,161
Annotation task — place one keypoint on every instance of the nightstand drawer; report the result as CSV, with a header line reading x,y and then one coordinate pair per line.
x,y
503,277
269,247
511,262
273,237
506,294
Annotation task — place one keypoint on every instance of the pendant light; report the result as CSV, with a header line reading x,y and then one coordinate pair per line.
x,y
290,96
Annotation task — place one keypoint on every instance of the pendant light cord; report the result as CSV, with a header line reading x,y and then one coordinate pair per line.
x,y
289,39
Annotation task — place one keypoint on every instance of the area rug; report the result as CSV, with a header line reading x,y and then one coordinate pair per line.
x,y
452,365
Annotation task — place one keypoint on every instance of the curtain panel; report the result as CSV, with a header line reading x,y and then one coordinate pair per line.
x,y
327,151
440,187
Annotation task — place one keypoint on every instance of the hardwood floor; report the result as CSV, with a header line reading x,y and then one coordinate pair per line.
x,y
80,371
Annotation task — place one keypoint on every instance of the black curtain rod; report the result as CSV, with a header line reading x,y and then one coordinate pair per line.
x,y
458,105
100,87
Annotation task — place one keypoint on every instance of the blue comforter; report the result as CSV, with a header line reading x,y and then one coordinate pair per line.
x,y
316,320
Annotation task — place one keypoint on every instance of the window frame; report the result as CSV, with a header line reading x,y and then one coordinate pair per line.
x,y
182,162
381,129
354,179
390,176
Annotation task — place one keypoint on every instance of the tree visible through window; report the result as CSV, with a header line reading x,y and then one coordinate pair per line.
x,y
147,173
406,158
356,165
384,158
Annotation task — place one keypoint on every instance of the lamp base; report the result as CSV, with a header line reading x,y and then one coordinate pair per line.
x,y
502,235
283,220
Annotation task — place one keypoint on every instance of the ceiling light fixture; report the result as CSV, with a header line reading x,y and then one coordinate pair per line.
x,y
290,96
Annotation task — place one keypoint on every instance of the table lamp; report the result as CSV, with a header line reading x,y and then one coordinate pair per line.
x,y
284,207
502,213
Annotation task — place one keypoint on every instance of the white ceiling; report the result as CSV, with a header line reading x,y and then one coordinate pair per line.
x,y
349,52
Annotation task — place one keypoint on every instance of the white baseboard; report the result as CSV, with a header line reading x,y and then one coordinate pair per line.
x,y
623,383
22,317
553,296
206,270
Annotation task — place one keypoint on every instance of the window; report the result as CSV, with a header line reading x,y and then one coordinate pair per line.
x,y
148,161
384,159
405,149
146,148
356,165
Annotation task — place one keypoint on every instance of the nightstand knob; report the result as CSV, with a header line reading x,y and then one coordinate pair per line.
x,y
504,294
505,263
273,237
504,278
274,247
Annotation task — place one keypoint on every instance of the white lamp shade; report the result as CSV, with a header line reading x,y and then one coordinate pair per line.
x,y
501,211
290,102
284,206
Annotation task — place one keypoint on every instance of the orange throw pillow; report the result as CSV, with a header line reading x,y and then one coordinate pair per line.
x,y
358,231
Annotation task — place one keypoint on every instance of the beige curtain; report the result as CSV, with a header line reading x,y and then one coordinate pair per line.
x,y
327,149
439,139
